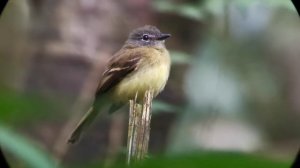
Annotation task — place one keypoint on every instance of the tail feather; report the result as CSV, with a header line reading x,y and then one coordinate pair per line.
x,y
86,120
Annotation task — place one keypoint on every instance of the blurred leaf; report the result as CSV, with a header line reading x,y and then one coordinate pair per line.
x,y
164,6
216,7
190,11
275,4
18,107
164,107
214,160
209,160
25,150
180,57
187,10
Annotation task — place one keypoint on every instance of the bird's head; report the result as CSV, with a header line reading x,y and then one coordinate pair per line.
x,y
147,36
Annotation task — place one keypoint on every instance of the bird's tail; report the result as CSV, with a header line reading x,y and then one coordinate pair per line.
x,y
86,120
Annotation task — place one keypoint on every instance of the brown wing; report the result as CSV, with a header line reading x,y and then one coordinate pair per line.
x,y
122,64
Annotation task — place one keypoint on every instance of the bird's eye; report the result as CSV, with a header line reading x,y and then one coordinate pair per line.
x,y
145,37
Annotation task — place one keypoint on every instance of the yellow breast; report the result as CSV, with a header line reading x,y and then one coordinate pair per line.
x,y
152,73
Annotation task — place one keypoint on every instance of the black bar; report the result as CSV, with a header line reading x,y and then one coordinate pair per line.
x,y
3,161
296,4
2,5
296,163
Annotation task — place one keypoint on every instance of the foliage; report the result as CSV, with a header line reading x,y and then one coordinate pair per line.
x,y
208,159
20,108
23,149
200,9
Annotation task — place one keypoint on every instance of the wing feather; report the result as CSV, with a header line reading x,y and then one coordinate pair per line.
x,y
122,64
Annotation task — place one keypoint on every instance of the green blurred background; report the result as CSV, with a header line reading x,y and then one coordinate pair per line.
x,y
232,100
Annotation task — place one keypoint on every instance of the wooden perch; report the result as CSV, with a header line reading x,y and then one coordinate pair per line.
x,y
139,128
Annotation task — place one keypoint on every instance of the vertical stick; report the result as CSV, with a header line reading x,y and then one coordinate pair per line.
x,y
139,128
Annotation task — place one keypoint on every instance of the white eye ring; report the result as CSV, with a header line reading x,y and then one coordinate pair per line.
x,y
145,37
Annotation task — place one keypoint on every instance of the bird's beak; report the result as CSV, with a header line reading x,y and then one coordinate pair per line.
x,y
163,36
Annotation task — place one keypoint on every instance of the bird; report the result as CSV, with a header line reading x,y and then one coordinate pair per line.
x,y
143,63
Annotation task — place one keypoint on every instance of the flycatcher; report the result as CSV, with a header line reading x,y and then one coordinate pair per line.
x,y
142,64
